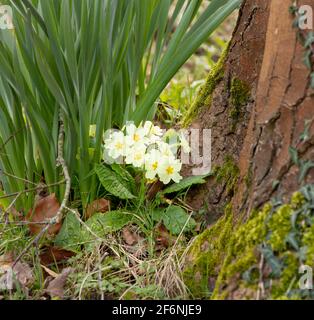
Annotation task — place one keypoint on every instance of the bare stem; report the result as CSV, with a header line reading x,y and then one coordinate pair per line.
x,y
14,194
58,217
61,162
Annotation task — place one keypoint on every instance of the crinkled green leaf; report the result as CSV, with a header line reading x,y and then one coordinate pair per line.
x,y
184,184
70,235
103,223
174,219
125,174
113,182
158,214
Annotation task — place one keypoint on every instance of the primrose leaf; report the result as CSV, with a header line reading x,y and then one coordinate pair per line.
x,y
103,223
113,182
184,184
70,235
158,214
175,219
125,174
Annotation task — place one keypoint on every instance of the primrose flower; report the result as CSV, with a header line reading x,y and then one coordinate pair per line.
x,y
153,132
136,155
153,161
184,143
165,150
116,145
169,170
146,147
135,135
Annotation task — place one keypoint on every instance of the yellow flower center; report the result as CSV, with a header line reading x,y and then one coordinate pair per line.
x,y
136,137
119,145
170,170
155,165
138,156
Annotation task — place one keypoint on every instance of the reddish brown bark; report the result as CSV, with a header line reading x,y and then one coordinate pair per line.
x,y
265,53
284,101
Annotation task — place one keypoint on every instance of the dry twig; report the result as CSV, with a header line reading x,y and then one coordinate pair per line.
x,y
60,162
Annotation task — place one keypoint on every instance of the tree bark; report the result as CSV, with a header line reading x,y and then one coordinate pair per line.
x,y
257,111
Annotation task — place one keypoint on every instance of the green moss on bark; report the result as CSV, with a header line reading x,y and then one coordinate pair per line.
x,y
204,97
268,248
205,255
240,94
228,173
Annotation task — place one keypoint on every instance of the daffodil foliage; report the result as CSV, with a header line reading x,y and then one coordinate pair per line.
x,y
95,62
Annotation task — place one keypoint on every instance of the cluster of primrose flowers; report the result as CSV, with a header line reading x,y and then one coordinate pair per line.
x,y
146,147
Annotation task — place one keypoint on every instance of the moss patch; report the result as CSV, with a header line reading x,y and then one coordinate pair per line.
x,y
204,97
269,248
205,255
240,93
248,179
228,173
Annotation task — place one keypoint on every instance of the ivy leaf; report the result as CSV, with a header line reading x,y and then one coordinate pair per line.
x,y
309,41
250,275
70,235
273,262
307,124
302,254
308,59
308,192
294,155
185,183
291,239
113,182
305,167
293,9
312,80
294,218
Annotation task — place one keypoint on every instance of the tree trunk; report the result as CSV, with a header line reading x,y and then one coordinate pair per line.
x,y
256,112
259,103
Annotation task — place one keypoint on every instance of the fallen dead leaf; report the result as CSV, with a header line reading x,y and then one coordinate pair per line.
x,y
50,272
54,255
100,205
6,261
163,238
23,273
129,237
20,273
56,287
135,244
45,209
